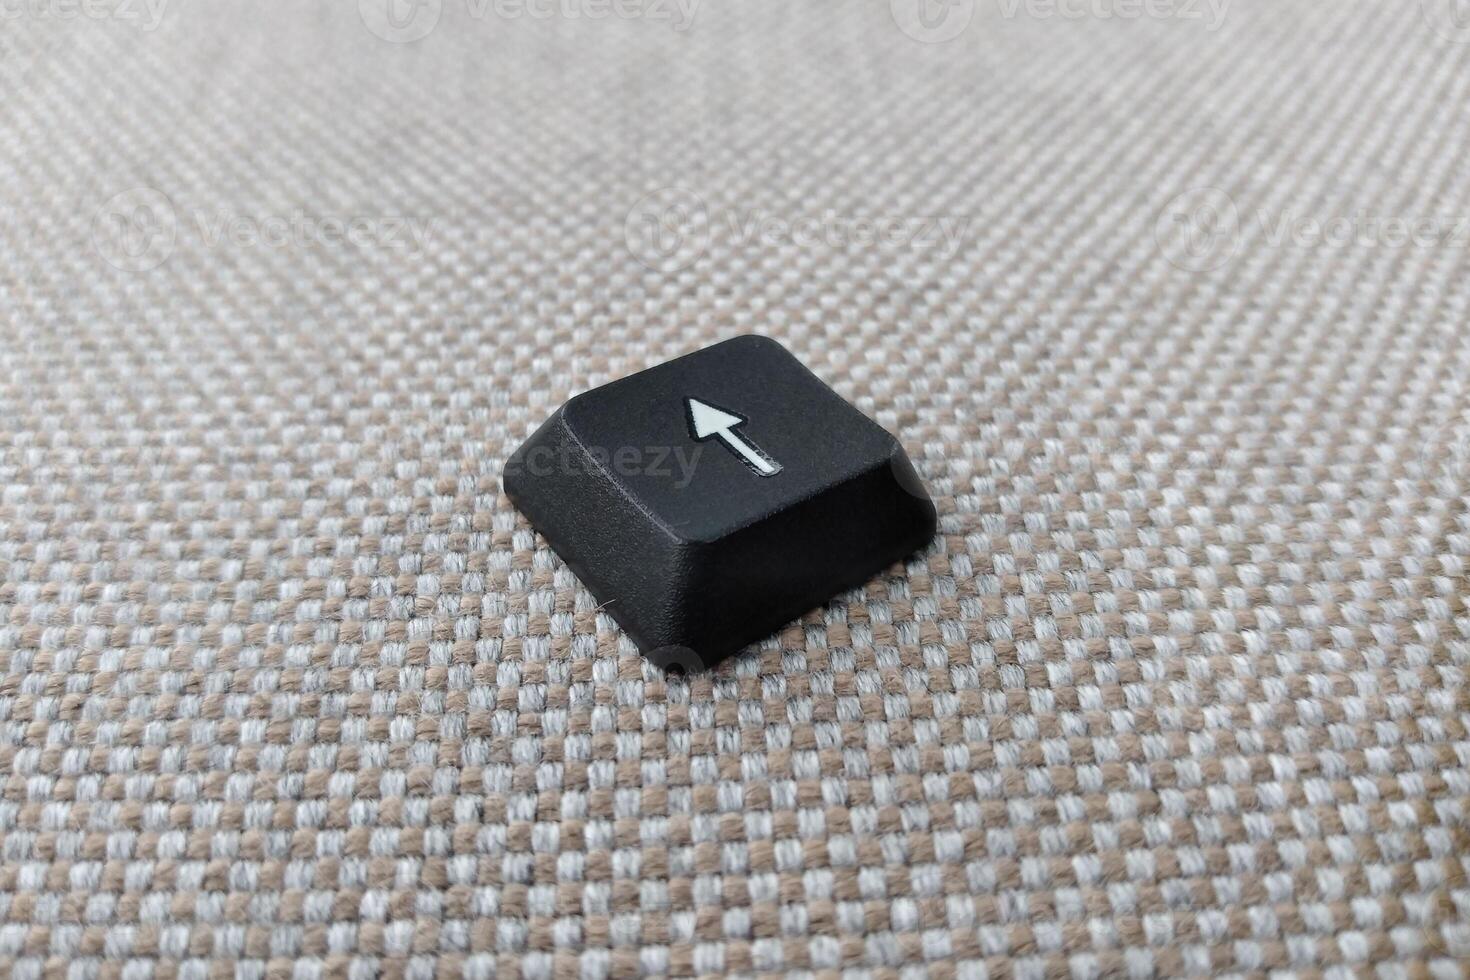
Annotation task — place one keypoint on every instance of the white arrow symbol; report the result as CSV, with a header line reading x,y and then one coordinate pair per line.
x,y
706,420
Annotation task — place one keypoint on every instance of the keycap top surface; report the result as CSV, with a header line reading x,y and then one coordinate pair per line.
x,y
787,414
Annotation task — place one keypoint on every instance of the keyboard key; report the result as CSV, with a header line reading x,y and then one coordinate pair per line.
x,y
710,500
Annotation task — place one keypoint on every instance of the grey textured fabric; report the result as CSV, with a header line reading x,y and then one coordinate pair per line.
x,y
1168,301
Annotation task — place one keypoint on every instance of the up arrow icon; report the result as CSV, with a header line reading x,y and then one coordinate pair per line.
x,y
706,421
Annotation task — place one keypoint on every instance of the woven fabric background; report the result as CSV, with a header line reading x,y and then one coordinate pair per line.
x,y
1169,306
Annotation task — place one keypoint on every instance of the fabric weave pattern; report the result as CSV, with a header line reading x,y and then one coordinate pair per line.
x,y
1169,308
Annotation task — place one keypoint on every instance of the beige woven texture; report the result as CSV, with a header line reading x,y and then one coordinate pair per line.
x,y
1169,306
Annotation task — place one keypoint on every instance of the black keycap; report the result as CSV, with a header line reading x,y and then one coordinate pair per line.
x,y
710,500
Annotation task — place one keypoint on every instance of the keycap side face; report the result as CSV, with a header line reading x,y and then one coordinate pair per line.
x,y
757,579
705,488
633,567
